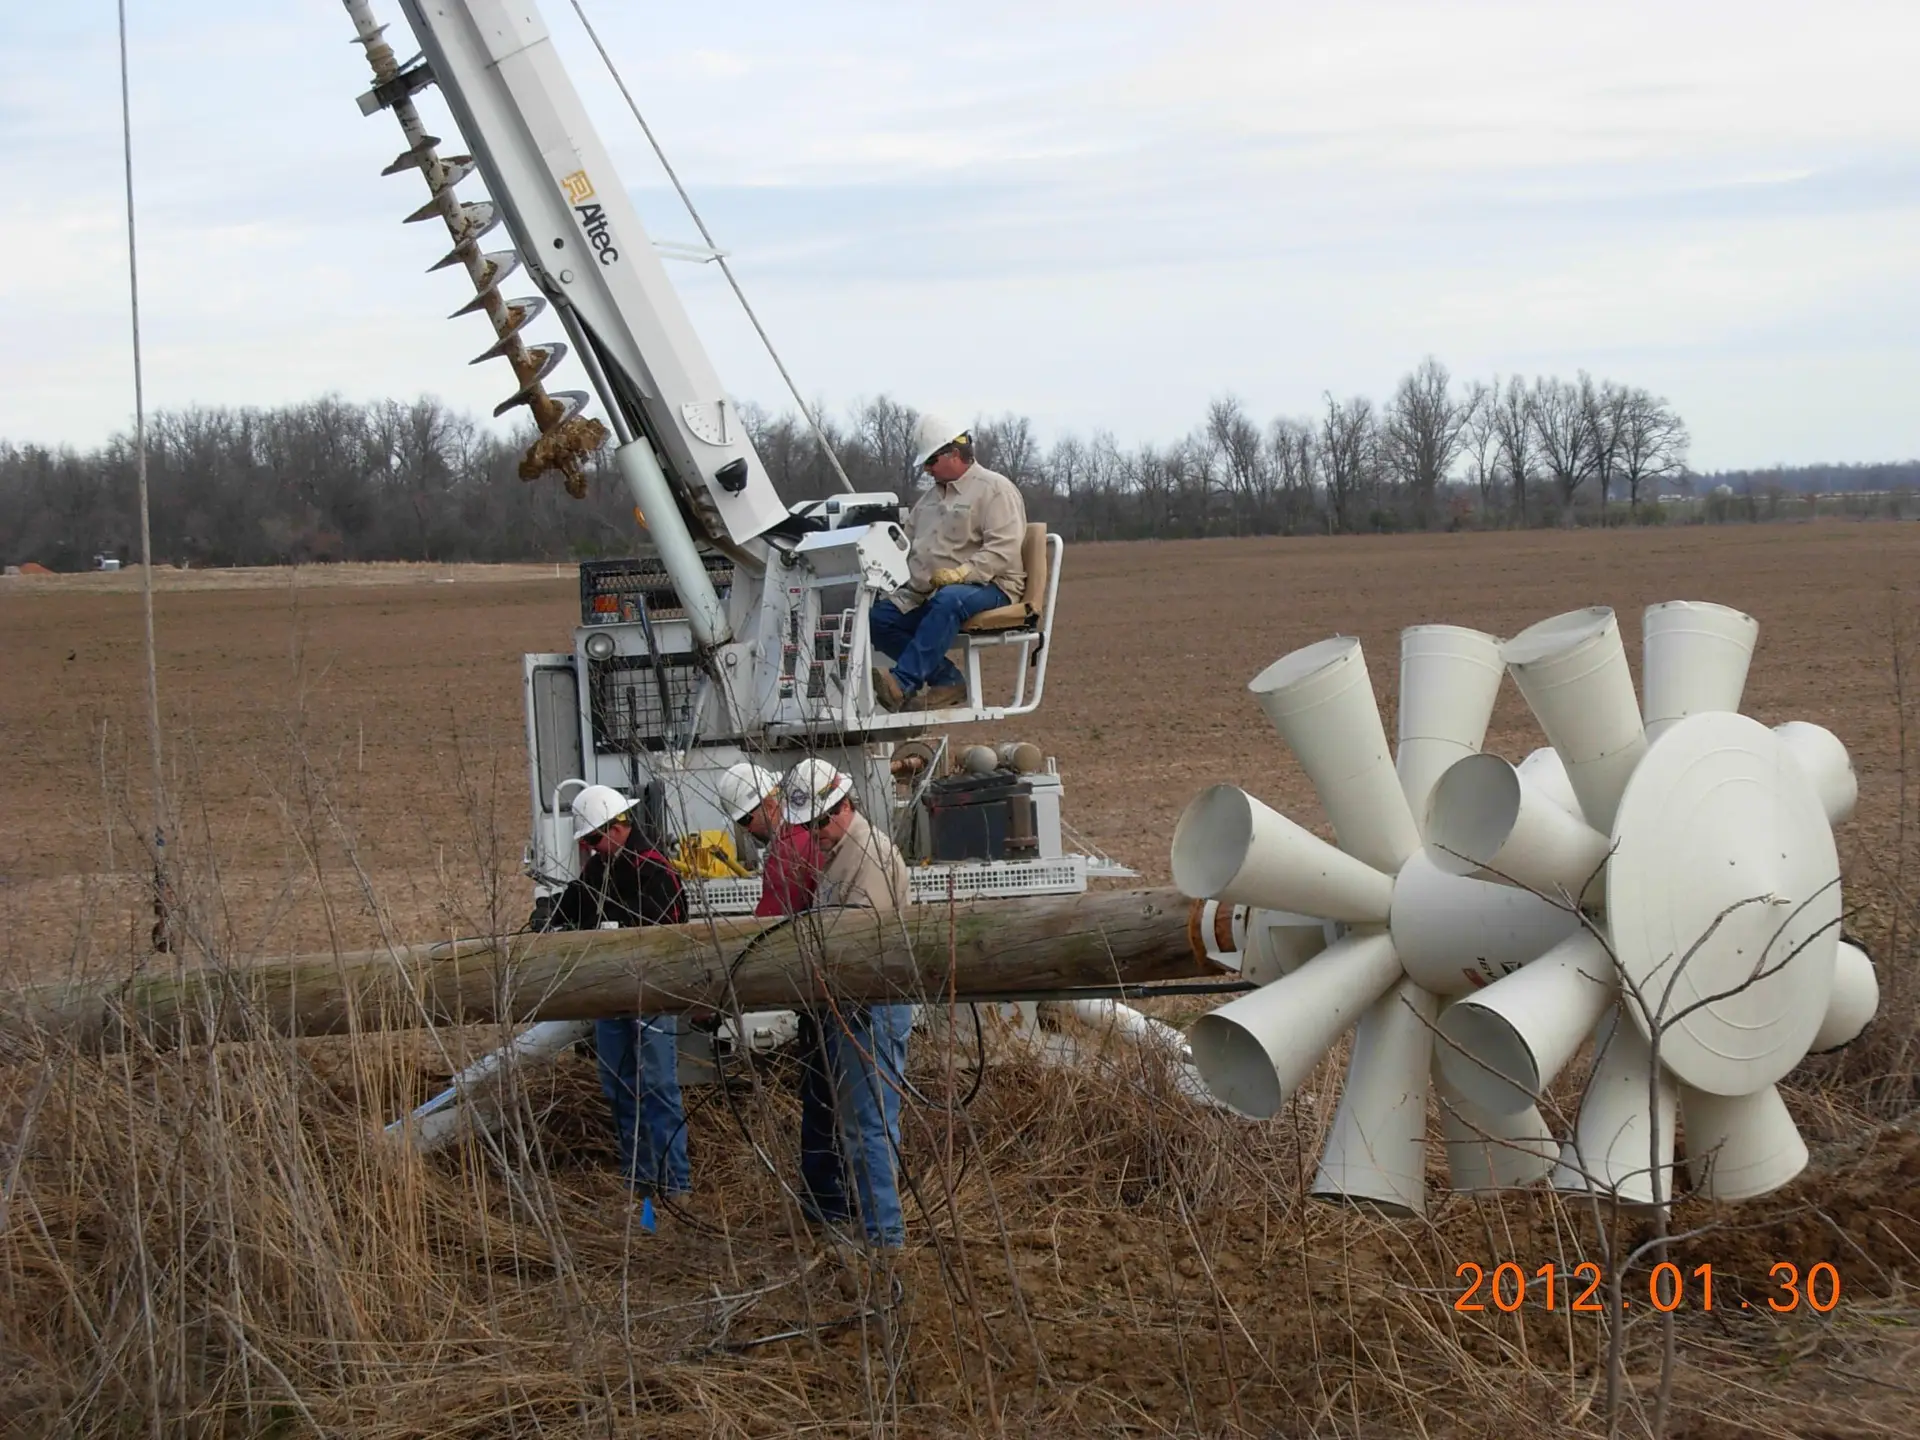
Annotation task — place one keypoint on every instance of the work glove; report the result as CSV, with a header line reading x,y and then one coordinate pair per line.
x,y
953,575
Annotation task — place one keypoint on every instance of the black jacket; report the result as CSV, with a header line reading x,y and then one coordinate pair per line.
x,y
633,886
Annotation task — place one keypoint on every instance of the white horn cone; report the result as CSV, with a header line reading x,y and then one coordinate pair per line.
x,y
1228,846
1377,1149
1547,772
1455,933
1487,1151
1573,671
1449,679
1486,817
1694,658
1611,1150
1740,1146
1502,1046
1320,699
1254,1052
1820,753
1853,1002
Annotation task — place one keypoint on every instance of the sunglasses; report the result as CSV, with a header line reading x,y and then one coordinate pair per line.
x,y
934,458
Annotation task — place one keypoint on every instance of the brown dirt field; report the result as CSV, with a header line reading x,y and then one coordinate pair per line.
x,y
1119,1263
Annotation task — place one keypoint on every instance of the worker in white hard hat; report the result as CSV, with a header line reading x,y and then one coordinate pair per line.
x,y
966,532
624,880
851,1084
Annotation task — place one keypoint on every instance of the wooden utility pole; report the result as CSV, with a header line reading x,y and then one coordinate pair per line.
x,y
924,953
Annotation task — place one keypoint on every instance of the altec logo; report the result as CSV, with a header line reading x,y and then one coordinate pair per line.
x,y
593,218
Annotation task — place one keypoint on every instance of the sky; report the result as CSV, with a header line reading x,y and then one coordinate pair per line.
x,y
1100,215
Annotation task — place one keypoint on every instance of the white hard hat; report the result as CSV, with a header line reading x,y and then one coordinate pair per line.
x,y
931,434
811,789
743,786
594,806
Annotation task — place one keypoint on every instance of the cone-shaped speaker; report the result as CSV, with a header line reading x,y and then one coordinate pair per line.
x,y
1694,659
1621,1145
1741,1146
1487,818
1254,1052
1544,770
1486,1151
1573,671
1228,846
1455,934
1820,753
1449,680
1377,1149
1503,1046
1321,701
1855,998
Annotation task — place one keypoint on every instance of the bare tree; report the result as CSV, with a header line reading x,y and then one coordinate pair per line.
x,y
1560,425
1606,405
1480,439
1350,453
1421,435
1245,466
1295,452
1652,444
1513,423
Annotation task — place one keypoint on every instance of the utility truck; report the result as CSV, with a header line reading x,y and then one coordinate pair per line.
x,y
739,627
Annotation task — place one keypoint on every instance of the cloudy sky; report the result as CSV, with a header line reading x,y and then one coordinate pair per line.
x,y
1099,214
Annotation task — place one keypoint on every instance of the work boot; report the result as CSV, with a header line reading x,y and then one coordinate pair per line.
x,y
886,689
939,697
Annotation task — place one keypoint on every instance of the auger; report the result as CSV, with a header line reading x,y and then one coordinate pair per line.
x,y
566,436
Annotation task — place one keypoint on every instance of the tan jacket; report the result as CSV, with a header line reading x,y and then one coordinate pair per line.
x,y
975,524
865,869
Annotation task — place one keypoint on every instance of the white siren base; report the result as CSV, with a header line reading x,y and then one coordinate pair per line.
x,y
1742,1146
1228,846
1572,670
1723,904
1449,680
1502,1046
1820,753
1320,699
1256,1051
1487,818
1855,999
1377,1148
1455,933
1486,1151
1694,659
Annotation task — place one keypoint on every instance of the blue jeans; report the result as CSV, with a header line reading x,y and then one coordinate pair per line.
x,y
918,639
640,1076
850,1132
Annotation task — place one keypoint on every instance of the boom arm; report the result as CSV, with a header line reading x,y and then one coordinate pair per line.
x,y
683,451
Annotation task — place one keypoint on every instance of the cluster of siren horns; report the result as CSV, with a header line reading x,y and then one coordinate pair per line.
x,y
1660,880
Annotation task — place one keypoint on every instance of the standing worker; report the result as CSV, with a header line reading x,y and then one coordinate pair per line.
x,y
627,881
966,533
865,1046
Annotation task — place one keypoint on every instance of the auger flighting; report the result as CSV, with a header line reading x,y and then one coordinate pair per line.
x,y
1660,881
566,437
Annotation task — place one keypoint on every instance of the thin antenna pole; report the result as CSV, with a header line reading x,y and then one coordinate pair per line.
x,y
161,939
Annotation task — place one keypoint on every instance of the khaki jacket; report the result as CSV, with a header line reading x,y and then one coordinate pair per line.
x,y
865,869
976,524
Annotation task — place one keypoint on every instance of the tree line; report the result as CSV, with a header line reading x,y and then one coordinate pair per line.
x,y
336,480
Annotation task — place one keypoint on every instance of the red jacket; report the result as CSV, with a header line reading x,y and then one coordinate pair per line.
x,y
790,872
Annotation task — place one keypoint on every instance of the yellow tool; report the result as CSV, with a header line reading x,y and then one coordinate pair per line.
x,y
708,854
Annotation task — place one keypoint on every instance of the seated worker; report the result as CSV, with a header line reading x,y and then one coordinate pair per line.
x,y
626,881
965,558
851,1129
